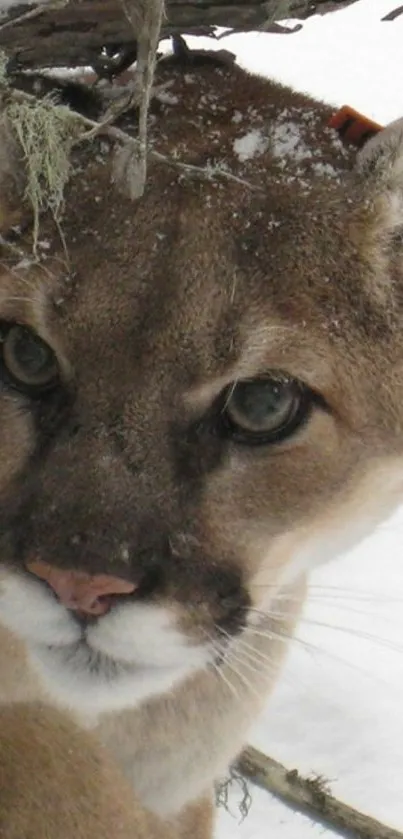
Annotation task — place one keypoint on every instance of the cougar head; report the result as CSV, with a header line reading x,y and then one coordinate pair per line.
x,y
210,405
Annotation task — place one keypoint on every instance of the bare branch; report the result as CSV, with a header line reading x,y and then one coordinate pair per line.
x,y
131,144
394,14
311,796
133,166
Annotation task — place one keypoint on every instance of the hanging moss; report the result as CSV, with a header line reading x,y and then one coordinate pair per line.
x,y
45,131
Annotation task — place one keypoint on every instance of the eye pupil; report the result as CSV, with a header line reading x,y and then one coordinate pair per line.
x,y
265,409
259,400
28,359
31,353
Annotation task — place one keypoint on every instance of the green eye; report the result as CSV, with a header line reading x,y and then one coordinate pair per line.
x,y
29,361
266,409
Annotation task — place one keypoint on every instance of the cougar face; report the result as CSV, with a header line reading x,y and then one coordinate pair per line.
x,y
210,406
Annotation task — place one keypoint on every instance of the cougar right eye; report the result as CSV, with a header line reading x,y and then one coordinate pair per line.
x,y
29,361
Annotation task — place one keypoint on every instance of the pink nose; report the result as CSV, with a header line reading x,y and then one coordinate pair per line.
x,y
79,591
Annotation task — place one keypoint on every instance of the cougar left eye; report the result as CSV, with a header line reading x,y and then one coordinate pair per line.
x,y
29,361
267,409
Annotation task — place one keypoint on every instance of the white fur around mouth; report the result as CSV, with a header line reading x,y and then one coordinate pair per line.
x,y
95,662
90,683
135,652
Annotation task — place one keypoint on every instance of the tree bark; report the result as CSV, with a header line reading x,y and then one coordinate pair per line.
x,y
72,32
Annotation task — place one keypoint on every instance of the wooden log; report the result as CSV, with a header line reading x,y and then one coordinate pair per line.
x,y
74,32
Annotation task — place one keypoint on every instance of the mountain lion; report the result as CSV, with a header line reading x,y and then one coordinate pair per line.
x,y
201,399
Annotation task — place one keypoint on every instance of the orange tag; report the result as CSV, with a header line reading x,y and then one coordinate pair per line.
x,y
352,127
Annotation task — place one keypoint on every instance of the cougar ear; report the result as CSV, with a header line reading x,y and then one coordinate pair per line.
x,y
14,210
382,155
380,165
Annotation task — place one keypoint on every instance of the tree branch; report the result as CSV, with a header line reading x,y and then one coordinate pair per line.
x,y
311,796
130,165
394,14
125,142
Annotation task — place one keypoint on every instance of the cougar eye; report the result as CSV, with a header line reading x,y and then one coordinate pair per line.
x,y
28,360
266,409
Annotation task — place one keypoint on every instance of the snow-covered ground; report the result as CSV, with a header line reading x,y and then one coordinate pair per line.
x,y
338,710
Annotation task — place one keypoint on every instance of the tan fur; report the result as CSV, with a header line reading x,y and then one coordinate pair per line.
x,y
57,781
13,207
196,820
162,305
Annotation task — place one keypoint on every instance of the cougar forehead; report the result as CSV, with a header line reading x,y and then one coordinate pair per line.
x,y
292,271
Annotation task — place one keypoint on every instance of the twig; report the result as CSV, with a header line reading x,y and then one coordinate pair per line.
x,y
205,172
134,164
311,796
222,791
269,28
113,132
122,99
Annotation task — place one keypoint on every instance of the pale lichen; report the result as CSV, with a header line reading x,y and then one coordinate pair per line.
x,y
46,132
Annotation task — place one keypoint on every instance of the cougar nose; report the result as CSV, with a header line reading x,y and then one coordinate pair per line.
x,y
79,591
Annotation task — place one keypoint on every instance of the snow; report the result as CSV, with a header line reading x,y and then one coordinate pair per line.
x,y
287,140
250,144
338,708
